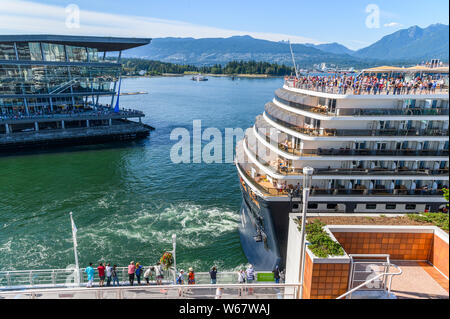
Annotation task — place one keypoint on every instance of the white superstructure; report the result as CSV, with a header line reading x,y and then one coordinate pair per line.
x,y
378,141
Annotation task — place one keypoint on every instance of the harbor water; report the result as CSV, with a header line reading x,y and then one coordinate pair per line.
x,y
128,198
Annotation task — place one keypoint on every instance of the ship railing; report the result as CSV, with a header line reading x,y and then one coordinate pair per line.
x,y
53,278
197,291
283,169
364,90
357,190
322,109
285,146
357,132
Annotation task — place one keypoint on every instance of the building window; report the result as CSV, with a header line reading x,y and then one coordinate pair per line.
x,y
410,206
76,54
391,206
53,52
331,206
371,206
7,51
295,206
313,205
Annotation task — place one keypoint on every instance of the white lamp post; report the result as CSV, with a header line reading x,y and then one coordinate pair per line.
x,y
174,246
307,180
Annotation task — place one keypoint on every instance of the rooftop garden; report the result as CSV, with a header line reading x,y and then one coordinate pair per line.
x,y
321,244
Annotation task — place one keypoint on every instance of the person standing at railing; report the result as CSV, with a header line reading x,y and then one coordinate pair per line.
x,y
108,274
213,275
90,275
131,270
139,270
101,274
149,274
159,273
180,281
114,276
250,277
276,274
241,281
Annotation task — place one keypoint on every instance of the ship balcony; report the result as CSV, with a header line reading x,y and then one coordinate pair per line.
x,y
262,183
285,146
359,112
327,132
282,167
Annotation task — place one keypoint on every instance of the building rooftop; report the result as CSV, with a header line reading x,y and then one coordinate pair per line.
x,y
102,44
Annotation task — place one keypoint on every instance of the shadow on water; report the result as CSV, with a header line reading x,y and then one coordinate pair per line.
x,y
61,149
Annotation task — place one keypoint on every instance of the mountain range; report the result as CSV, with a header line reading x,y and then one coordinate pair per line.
x,y
412,45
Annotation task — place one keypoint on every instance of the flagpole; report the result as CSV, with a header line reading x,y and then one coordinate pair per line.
x,y
74,237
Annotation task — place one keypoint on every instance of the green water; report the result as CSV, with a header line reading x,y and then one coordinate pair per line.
x,y
128,198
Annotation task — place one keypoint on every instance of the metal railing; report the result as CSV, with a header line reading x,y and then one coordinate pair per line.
x,y
100,112
53,278
357,190
322,109
355,132
346,151
365,90
289,170
197,291
374,280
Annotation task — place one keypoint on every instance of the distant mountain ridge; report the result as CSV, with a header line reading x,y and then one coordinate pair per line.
x,y
411,45
332,48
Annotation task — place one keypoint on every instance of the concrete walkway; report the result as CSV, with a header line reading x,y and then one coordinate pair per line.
x,y
419,281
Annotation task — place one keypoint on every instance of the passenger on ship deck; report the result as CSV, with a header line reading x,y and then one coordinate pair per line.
x,y
108,269
368,84
138,272
131,270
213,275
114,276
90,275
101,274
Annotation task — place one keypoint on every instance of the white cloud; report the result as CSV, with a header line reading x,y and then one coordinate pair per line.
x,y
27,17
392,24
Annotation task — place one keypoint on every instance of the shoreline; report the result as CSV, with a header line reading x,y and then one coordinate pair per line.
x,y
256,76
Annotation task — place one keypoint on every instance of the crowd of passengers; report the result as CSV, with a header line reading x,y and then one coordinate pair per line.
x,y
366,84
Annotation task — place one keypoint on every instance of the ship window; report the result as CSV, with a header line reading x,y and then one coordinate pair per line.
x,y
371,206
410,206
313,206
331,206
391,206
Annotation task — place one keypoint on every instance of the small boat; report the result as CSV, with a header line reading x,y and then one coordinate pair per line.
x,y
199,78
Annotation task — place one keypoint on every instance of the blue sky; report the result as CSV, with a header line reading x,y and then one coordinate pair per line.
x,y
300,21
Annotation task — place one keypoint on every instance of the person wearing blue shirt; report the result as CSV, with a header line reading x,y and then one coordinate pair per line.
x,y
139,270
90,275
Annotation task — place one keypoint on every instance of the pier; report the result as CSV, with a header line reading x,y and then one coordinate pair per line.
x,y
52,87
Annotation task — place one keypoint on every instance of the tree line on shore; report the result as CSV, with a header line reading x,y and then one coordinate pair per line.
x,y
150,67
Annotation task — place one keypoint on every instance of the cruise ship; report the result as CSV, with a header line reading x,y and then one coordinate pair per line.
x,y
378,142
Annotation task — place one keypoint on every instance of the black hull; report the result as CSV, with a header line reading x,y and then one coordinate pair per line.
x,y
272,219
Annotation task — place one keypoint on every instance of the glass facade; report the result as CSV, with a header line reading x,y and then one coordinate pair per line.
x,y
53,80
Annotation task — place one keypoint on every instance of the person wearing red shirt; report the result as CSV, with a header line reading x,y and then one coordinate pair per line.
x,y
101,274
